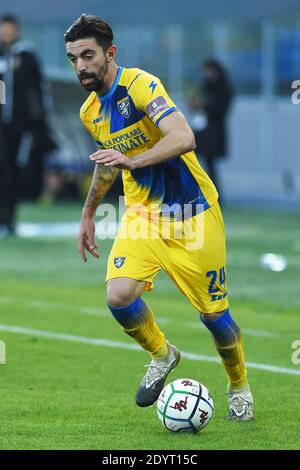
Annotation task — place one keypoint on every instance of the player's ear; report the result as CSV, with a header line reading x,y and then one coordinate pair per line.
x,y
111,53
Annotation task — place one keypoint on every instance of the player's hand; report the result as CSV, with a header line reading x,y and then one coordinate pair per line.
x,y
111,157
86,238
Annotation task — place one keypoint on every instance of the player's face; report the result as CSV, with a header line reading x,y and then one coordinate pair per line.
x,y
90,62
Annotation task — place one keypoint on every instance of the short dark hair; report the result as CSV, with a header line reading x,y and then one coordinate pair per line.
x,y
10,19
89,26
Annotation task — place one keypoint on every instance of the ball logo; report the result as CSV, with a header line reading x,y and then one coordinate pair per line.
x,y
180,405
187,383
203,416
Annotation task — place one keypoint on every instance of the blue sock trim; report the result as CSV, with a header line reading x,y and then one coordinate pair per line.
x,y
226,314
131,315
224,329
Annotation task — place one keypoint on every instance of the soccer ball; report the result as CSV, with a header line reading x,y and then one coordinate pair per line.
x,y
185,405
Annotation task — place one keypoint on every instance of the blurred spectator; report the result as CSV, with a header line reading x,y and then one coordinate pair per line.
x,y
214,102
24,135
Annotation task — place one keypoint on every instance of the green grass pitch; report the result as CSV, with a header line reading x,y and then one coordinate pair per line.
x,y
65,392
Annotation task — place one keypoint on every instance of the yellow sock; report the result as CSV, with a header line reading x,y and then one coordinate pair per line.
x,y
234,362
148,334
228,341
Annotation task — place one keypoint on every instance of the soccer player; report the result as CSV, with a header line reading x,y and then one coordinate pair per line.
x,y
139,130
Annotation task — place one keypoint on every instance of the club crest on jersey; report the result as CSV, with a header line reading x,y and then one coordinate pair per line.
x,y
118,262
124,107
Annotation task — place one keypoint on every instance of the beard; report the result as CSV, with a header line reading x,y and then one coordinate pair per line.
x,y
92,81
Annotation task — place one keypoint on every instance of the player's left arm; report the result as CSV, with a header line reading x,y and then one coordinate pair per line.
x,y
178,138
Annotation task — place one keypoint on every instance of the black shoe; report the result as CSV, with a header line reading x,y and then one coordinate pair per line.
x,y
153,382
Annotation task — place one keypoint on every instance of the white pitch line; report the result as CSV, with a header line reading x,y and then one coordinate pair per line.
x,y
162,320
258,333
41,304
134,347
98,312
83,309
67,337
101,312
63,229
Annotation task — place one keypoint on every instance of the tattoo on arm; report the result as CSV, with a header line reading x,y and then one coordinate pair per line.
x,y
103,179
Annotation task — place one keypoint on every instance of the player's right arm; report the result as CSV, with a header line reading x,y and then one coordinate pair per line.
x,y
103,179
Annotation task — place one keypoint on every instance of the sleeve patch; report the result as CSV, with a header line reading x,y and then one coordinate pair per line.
x,y
156,106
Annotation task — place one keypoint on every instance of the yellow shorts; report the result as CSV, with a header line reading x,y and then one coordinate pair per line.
x,y
192,253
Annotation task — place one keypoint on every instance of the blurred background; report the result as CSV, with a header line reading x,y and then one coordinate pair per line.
x,y
257,43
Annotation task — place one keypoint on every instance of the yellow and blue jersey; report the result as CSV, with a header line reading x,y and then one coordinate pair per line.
x,y
127,119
